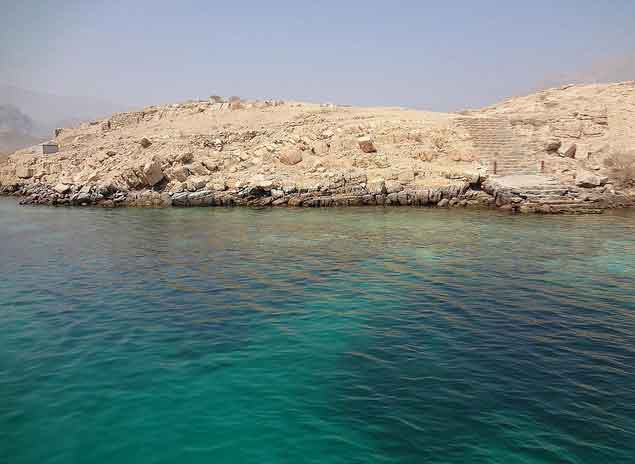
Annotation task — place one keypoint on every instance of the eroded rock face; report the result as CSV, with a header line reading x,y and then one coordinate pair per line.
x,y
209,153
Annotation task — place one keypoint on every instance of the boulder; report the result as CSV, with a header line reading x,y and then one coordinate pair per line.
x,y
377,186
219,185
366,145
144,142
590,180
320,148
553,146
152,173
443,203
406,177
291,157
196,183
393,186
23,172
211,165
179,173
197,169
570,153
185,158
422,197
131,178
62,188
259,181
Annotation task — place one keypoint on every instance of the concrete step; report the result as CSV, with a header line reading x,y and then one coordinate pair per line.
x,y
515,166
516,172
567,208
541,191
564,202
574,210
542,198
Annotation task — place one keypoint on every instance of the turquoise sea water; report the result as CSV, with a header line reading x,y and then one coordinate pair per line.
x,y
324,336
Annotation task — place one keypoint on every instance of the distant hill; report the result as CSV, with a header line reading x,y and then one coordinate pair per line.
x,y
28,117
14,120
12,141
17,130
50,111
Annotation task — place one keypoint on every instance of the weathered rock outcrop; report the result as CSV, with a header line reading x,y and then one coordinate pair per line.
x,y
272,153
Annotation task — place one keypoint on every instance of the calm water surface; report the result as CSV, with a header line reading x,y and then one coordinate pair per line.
x,y
320,336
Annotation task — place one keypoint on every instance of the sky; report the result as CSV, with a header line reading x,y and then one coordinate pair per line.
x,y
442,55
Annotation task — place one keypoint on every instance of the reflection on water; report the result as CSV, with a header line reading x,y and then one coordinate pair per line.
x,y
352,335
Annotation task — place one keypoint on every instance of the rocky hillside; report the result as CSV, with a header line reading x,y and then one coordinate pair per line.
x,y
217,152
587,123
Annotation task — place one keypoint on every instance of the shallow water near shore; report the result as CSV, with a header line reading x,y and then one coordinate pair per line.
x,y
392,335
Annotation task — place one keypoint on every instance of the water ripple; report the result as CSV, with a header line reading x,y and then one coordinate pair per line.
x,y
352,335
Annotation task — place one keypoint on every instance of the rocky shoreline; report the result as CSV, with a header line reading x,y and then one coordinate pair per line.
x,y
566,150
482,193
351,192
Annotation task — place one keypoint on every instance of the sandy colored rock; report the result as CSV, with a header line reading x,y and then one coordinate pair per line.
x,y
291,157
24,172
153,173
320,148
185,158
178,173
145,143
366,145
590,180
280,153
377,186
197,169
62,188
571,151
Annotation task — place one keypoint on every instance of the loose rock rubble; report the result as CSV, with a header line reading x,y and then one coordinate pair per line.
x,y
274,153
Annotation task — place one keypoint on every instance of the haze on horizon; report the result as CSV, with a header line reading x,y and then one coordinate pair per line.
x,y
430,55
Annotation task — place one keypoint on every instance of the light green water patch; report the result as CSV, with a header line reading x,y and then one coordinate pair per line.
x,y
331,336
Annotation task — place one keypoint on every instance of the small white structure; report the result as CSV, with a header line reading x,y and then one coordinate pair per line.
x,y
46,148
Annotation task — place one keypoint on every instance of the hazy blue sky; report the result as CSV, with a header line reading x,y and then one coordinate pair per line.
x,y
441,55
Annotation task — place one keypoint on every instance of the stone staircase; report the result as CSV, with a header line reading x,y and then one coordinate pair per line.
x,y
494,141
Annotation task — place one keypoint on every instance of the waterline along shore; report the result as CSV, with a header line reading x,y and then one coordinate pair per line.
x,y
563,150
